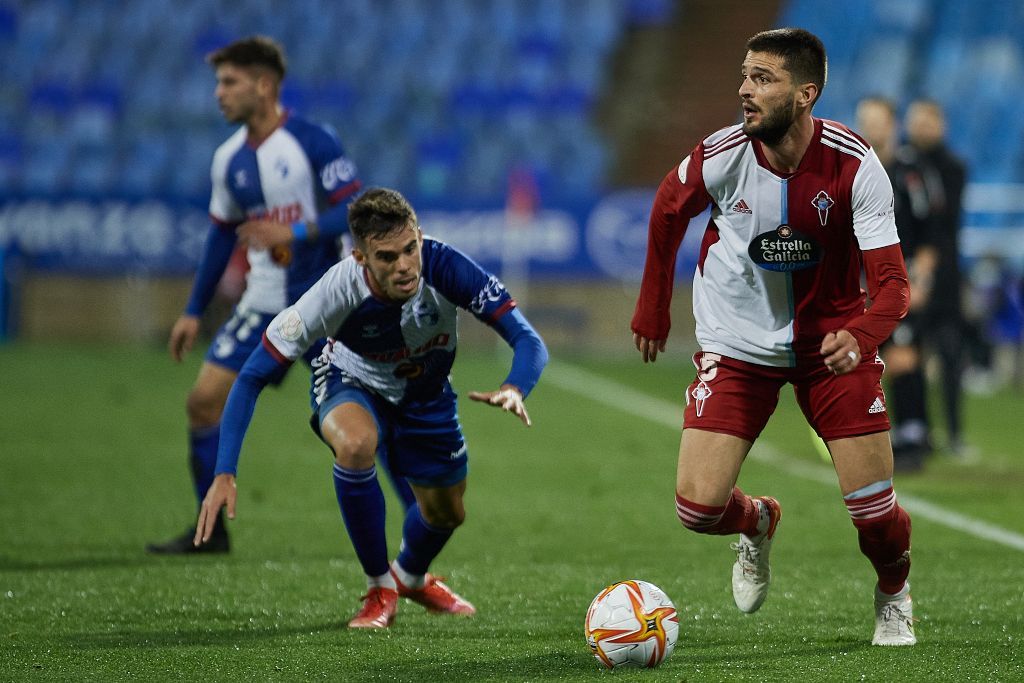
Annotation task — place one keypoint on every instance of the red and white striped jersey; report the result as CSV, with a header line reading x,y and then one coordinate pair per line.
x,y
780,261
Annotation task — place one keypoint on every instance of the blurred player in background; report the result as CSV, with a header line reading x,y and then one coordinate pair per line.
x,y
942,324
281,186
382,386
798,206
878,123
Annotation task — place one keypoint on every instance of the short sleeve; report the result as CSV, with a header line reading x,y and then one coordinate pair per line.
x,y
464,282
223,207
317,313
874,214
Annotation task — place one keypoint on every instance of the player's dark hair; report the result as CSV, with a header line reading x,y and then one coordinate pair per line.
x,y
802,52
379,212
252,51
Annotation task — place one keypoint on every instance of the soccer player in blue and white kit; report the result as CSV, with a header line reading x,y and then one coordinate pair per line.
x,y
280,187
390,312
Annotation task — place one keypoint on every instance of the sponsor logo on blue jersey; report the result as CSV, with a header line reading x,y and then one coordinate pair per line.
x,y
491,292
336,173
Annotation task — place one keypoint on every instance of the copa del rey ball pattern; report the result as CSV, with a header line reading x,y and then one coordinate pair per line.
x,y
632,623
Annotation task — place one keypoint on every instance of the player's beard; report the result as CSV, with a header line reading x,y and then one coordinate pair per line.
x,y
773,126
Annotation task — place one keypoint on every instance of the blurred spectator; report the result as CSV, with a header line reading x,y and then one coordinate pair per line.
x,y
877,122
942,318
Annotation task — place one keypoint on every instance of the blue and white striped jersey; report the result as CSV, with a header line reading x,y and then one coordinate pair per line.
x,y
294,174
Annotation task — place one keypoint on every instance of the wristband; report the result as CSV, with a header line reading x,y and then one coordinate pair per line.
x,y
300,231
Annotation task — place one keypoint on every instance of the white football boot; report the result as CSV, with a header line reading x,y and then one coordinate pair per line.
x,y
751,574
894,618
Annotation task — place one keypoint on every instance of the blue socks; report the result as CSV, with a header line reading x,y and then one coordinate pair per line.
x,y
362,508
398,482
203,457
421,542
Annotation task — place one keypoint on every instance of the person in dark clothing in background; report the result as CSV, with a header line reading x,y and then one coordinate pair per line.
x,y
942,324
878,123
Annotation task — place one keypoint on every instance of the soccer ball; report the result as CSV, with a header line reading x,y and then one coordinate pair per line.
x,y
632,623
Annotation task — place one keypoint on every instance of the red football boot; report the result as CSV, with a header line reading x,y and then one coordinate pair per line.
x,y
378,610
436,596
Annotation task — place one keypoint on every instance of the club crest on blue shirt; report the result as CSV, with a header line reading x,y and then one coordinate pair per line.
x,y
281,166
426,313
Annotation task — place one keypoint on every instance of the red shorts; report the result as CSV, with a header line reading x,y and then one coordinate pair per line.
x,y
735,397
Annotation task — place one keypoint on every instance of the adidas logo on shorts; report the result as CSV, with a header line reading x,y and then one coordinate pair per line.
x,y
877,406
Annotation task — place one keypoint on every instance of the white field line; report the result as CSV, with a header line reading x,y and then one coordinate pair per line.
x,y
625,399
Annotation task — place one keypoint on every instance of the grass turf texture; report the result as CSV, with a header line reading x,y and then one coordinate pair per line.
x,y
93,465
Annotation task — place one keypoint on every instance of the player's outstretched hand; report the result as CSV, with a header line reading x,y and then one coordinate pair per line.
x,y
261,233
221,492
183,336
841,352
648,348
507,398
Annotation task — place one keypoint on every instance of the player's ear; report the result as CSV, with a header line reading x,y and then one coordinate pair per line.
x,y
266,83
806,94
358,255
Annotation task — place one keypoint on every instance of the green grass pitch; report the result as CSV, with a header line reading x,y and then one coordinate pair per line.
x,y
93,465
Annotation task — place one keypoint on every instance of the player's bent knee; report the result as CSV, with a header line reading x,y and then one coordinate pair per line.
x,y
204,408
447,516
354,452
445,520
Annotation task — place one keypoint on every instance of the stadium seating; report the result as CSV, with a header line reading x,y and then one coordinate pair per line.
x,y
439,97
966,55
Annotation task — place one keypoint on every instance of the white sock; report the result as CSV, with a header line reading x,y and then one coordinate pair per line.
x,y
383,581
408,580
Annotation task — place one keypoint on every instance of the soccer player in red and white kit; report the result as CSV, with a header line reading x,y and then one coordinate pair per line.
x,y
799,205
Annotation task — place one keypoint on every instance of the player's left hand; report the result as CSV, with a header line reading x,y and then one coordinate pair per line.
x,y
507,398
841,352
222,492
648,348
261,233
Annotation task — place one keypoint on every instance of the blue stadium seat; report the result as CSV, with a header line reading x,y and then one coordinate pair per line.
x,y
437,94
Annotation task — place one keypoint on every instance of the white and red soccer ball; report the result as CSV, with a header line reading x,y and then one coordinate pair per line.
x,y
632,623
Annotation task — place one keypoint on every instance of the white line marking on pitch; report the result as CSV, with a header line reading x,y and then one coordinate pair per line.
x,y
629,400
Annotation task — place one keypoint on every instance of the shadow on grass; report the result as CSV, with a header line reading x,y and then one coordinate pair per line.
x,y
73,563
532,667
143,639
131,558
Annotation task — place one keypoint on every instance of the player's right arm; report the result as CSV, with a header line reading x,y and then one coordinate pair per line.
x,y
323,307
681,196
220,243
226,215
264,364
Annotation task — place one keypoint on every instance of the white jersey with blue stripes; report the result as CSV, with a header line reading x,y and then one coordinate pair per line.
x,y
292,175
400,351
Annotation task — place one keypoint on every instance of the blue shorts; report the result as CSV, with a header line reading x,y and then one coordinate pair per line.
x,y
423,440
242,333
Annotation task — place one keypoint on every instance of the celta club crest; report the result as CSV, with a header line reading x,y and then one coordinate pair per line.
x,y
822,202
701,393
